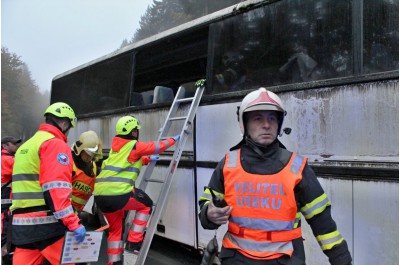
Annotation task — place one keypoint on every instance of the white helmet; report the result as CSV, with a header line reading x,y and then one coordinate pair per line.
x,y
90,143
260,99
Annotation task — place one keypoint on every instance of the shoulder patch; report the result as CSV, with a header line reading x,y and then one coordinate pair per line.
x,y
63,159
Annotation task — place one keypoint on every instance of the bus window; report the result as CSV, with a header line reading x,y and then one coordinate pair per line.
x,y
281,43
102,86
381,38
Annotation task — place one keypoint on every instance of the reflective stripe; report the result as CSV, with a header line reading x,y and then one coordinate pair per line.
x,y
296,164
56,185
121,169
21,177
315,207
330,240
206,196
114,257
6,201
138,228
262,224
297,220
279,247
64,212
167,144
115,244
6,185
157,147
116,179
78,200
34,220
27,195
233,155
142,216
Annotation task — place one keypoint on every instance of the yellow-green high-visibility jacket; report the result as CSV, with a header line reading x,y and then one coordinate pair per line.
x,y
27,191
41,185
118,175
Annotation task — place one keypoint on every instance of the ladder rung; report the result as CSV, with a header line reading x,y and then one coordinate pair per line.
x,y
184,99
177,118
155,180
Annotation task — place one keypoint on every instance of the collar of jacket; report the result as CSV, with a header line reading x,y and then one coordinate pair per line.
x,y
262,150
53,130
118,143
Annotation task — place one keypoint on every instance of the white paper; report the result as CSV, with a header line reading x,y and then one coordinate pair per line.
x,y
86,251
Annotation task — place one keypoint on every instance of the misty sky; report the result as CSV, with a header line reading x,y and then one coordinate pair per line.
x,y
53,36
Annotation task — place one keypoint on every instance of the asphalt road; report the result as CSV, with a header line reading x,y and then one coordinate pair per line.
x,y
162,252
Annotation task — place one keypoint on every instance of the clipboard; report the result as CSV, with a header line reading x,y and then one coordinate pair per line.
x,y
86,251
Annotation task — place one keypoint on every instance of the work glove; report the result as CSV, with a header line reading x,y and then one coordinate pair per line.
x,y
176,137
79,233
154,158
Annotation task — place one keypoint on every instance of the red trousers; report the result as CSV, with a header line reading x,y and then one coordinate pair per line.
x,y
52,253
115,220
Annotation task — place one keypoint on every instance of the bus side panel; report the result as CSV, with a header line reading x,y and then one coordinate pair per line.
x,y
217,130
352,122
178,218
366,214
376,222
342,213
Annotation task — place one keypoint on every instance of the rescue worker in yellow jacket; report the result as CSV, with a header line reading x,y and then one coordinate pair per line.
x,y
85,152
41,188
115,191
265,188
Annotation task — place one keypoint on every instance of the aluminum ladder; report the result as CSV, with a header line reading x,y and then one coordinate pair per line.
x,y
188,118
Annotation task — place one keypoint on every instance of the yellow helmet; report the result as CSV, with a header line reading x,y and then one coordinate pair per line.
x,y
90,143
62,110
126,124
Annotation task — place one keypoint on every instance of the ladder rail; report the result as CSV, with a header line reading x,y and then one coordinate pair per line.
x,y
155,217
173,110
166,184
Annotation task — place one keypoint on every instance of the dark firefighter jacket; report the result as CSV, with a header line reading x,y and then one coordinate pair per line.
x,y
310,197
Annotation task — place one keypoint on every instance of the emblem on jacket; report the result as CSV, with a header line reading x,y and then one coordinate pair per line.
x,y
63,159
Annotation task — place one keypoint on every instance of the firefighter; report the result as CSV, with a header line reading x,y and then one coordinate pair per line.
x,y
42,183
266,187
9,145
85,152
115,191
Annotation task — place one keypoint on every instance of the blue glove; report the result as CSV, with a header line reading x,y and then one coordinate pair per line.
x,y
176,137
154,158
79,233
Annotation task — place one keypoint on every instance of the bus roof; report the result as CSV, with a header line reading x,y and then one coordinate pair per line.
x,y
218,15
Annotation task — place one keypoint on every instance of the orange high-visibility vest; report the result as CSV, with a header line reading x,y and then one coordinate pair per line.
x,y
82,187
263,221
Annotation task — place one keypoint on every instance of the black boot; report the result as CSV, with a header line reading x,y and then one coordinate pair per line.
x,y
133,247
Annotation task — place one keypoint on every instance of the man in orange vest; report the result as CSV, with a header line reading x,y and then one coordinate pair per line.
x,y
264,188
9,145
